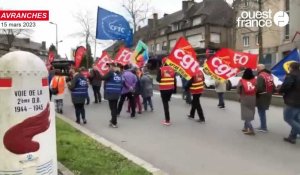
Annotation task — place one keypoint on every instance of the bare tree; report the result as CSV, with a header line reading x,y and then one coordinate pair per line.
x,y
87,33
137,10
11,34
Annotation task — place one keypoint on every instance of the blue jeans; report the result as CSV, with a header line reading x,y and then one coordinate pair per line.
x,y
221,99
292,117
146,101
263,118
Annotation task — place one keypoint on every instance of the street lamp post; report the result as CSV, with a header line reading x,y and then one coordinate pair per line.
x,y
56,35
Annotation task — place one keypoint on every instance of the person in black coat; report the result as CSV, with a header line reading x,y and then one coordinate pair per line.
x,y
291,95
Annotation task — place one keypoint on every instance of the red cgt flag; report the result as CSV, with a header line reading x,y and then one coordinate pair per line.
x,y
79,53
227,63
101,63
123,56
183,59
51,56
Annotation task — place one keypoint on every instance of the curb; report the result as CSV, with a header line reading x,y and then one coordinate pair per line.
x,y
138,161
63,170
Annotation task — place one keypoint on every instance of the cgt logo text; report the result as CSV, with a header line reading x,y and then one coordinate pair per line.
x,y
262,19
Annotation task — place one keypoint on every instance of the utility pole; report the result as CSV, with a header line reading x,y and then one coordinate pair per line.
x,y
260,37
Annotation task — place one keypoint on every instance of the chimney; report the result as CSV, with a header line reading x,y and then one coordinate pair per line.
x,y
150,23
187,4
166,14
44,45
155,16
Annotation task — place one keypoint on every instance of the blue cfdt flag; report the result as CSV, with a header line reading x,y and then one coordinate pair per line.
x,y
112,26
281,68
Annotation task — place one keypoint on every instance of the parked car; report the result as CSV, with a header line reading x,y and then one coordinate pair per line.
x,y
233,81
209,82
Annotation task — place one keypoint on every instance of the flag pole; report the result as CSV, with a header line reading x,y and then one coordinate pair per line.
x,y
95,49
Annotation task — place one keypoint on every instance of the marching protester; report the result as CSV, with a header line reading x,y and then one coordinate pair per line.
x,y
58,86
196,86
128,89
247,91
265,87
79,92
220,87
113,84
96,81
167,85
50,76
137,91
147,89
291,95
186,94
86,74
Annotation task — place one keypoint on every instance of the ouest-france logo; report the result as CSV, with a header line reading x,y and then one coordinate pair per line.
x,y
262,19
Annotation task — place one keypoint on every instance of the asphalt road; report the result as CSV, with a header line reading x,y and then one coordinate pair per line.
x,y
190,148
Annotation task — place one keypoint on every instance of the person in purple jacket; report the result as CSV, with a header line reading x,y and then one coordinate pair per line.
x,y
128,89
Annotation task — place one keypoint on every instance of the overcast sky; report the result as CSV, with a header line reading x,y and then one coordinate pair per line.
x,y
62,12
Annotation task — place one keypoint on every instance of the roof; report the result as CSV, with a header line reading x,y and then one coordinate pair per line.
x,y
24,43
214,12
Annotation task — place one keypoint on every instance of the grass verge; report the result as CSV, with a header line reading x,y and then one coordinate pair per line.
x,y
84,156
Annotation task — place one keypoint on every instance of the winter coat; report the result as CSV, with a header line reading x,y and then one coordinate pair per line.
x,y
220,86
247,104
95,78
147,85
263,99
73,85
291,89
130,81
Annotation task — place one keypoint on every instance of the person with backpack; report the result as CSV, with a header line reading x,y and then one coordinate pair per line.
x,y
113,84
96,81
147,89
58,86
265,87
246,89
79,93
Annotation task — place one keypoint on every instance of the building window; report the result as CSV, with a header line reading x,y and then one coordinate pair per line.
x,y
197,21
152,47
215,38
246,3
256,40
162,31
165,45
158,47
287,32
172,43
246,41
287,27
196,41
174,27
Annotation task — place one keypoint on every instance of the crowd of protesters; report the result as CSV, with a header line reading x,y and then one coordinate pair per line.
x,y
135,85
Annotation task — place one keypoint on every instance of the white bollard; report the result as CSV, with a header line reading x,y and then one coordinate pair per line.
x,y
27,118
